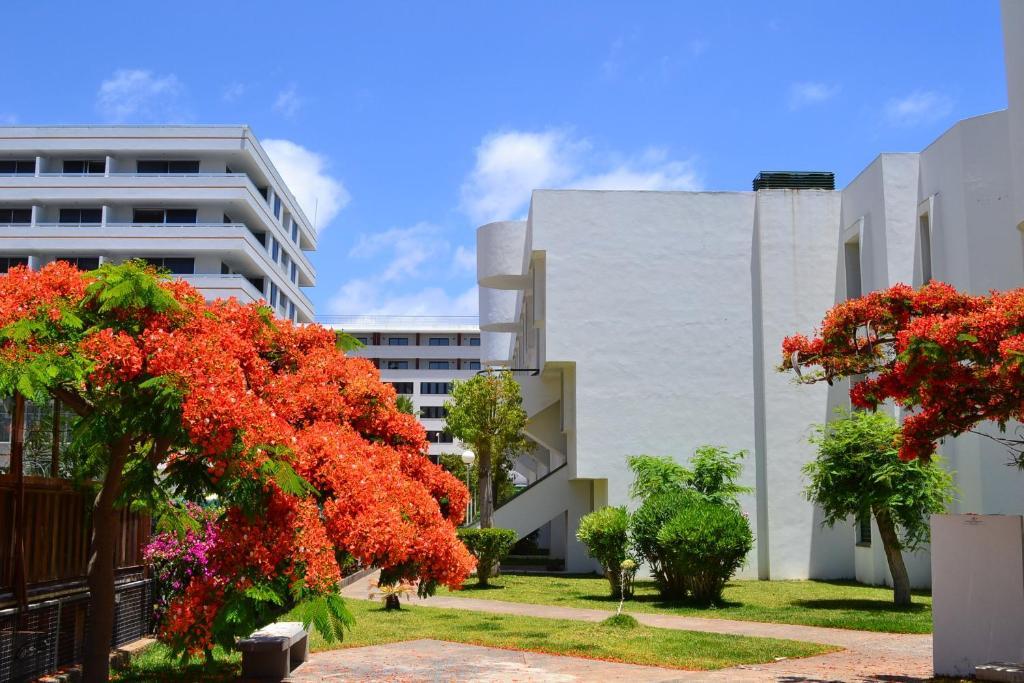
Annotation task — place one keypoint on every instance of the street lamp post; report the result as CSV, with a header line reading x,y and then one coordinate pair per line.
x,y
468,458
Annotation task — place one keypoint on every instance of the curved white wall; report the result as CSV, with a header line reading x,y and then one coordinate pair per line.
x,y
498,309
495,348
501,255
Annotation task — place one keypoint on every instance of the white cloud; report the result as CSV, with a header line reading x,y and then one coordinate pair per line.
x,y
320,195
369,297
411,248
464,259
806,93
233,91
288,102
141,96
920,106
510,165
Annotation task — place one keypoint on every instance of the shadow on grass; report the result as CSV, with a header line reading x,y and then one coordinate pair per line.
x,y
478,587
860,605
170,670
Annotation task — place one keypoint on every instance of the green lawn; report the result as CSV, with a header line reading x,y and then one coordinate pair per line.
x,y
640,645
838,604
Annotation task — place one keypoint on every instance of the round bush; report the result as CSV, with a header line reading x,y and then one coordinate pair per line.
x,y
705,543
489,547
605,532
644,526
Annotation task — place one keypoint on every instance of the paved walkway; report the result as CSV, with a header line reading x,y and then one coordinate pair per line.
x,y
867,656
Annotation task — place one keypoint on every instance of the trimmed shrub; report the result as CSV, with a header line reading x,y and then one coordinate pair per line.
x,y
605,532
705,543
645,525
489,547
621,621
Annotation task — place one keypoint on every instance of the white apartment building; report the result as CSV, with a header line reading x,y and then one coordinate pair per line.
x,y
420,356
653,323
204,202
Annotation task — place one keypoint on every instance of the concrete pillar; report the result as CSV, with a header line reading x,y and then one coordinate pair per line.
x,y
108,166
104,214
39,165
36,209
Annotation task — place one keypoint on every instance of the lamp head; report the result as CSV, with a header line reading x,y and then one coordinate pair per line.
x,y
468,457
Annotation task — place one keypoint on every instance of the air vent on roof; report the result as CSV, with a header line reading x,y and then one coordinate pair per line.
x,y
795,180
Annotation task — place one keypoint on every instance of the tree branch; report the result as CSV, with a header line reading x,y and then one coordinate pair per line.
x,y
72,400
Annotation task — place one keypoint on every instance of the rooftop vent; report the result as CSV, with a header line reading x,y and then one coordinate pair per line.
x,y
795,180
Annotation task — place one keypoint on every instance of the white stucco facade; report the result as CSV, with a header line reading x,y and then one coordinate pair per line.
x,y
203,201
654,323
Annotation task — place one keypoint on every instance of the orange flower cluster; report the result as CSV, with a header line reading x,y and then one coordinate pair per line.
x,y
259,397
957,360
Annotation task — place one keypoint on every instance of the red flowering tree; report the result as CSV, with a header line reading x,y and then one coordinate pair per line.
x,y
180,398
953,358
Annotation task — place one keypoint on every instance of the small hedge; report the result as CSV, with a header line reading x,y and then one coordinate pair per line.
x,y
645,525
605,532
489,547
705,543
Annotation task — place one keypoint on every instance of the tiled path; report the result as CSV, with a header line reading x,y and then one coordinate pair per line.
x,y
866,656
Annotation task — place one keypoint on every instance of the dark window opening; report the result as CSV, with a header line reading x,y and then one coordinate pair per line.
x,y
438,365
81,262
17,166
438,341
398,365
403,388
81,215
864,530
175,265
85,167
398,341
439,437
437,388
160,166
16,216
8,262
474,341
434,412
167,216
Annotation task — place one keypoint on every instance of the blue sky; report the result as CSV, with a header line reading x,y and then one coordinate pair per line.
x,y
411,123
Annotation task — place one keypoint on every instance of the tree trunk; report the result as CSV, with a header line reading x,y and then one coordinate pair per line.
x,y
484,489
891,545
96,661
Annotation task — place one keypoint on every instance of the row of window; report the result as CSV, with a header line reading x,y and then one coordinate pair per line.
x,y
439,437
99,166
434,412
433,365
431,388
431,341
94,215
174,265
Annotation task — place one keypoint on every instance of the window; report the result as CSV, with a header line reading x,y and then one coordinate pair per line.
x,y
225,269
474,341
472,365
174,265
363,340
438,341
434,412
6,408
160,166
851,252
275,248
273,294
294,274
8,262
165,216
864,531
924,231
85,167
403,388
16,216
439,437
291,311
256,282
398,365
18,166
283,304
435,388
79,216
81,262
277,206
398,341
286,261
295,231
438,365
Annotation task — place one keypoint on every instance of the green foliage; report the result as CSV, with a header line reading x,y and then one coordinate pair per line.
x,y
405,405
715,471
645,525
858,473
673,496
657,474
328,614
486,412
621,621
503,488
488,546
346,342
706,543
605,532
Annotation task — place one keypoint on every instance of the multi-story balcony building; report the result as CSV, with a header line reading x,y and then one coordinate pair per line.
x,y
203,202
419,356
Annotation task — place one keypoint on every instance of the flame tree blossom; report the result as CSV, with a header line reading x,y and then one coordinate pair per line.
x,y
179,398
955,360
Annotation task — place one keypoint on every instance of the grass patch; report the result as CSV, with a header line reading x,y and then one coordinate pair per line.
x,y
639,645
156,665
837,604
621,621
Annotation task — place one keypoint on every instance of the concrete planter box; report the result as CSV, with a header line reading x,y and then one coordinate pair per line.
x,y
977,591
